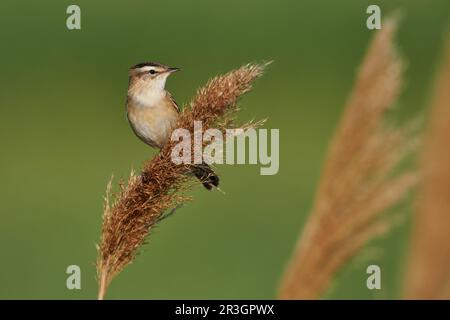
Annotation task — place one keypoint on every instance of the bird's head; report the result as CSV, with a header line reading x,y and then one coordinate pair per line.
x,y
150,75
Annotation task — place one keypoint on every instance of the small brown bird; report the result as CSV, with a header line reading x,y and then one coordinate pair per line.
x,y
153,114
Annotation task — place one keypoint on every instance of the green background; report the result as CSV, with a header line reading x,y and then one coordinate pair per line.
x,y
63,133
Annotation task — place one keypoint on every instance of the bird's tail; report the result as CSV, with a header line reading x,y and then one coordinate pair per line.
x,y
206,175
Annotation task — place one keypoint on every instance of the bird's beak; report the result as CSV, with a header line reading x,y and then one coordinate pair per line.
x,y
172,70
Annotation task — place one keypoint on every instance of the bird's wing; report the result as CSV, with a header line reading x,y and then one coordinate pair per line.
x,y
174,103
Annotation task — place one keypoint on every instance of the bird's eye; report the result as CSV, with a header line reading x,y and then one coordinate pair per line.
x,y
152,71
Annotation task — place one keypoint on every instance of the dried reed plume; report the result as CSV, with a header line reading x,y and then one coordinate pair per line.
x,y
428,271
357,183
143,201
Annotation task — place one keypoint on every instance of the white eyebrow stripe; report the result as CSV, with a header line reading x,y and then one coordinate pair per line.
x,y
147,68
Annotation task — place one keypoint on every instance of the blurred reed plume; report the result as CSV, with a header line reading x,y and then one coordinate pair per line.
x,y
142,203
357,183
428,271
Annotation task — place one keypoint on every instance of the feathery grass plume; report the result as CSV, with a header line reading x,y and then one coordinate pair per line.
x,y
428,270
143,201
357,183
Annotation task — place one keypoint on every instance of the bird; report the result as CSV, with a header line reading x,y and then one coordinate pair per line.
x,y
153,113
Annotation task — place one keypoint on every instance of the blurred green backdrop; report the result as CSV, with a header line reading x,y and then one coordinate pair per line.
x,y
64,132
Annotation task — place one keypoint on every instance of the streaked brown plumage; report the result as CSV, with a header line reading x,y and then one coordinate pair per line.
x,y
153,113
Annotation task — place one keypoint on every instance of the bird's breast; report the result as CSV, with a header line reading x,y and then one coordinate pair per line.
x,y
152,123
